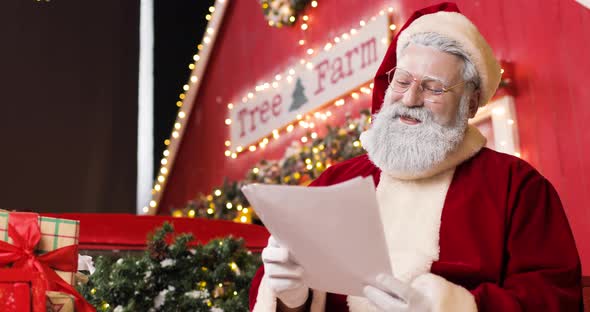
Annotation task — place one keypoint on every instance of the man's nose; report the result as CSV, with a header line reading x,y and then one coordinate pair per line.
x,y
413,96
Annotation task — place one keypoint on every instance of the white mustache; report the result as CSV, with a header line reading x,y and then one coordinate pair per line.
x,y
396,110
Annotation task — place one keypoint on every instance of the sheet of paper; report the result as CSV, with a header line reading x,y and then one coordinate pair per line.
x,y
334,232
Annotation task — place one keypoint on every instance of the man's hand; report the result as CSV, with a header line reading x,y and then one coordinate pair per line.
x,y
284,275
393,295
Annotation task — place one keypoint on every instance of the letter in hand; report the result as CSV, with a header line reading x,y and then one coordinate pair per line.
x,y
284,275
393,295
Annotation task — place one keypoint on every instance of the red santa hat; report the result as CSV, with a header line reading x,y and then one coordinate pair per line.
x,y
444,19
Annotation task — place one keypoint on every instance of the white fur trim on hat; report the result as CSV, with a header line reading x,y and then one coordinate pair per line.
x,y
457,27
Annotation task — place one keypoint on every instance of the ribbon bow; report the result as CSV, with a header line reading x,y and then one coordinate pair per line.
x,y
24,230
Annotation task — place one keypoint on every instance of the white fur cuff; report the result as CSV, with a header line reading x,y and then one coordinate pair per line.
x,y
444,295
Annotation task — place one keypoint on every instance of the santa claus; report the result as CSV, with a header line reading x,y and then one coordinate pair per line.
x,y
468,229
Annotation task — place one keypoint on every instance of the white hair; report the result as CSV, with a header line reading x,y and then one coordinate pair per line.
x,y
398,148
445,44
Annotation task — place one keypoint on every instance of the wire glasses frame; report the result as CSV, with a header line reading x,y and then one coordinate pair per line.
x,y
401,80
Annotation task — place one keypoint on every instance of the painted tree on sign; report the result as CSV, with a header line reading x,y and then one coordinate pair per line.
x,y
299,97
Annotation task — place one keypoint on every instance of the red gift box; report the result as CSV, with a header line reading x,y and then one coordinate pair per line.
x,y
21,291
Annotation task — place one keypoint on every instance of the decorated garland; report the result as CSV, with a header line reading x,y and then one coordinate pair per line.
x,y
170,276
302,163
282,12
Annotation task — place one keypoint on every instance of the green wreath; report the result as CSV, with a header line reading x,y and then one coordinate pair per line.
x,y
282,12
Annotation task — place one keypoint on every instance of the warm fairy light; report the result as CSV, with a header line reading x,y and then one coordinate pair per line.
x,y
239,149
278,77
309,167
217,192
181,114
167,142
337,39
291,71
227,143
291,18
356,143
392,27
157,187
164,161
196,57
153,203
517,154
211,9
304,139
314,135
510,121
177,126
304,26
390,9
252,148
239,207
230,106
314,4
310,51
501,70
362,23
161,179
191,213
166,153
275,84
354,95
227,153
256,170
309,65
301,42
210,211
179,103
181,96
163,170
145,210
229,205
191,66
250,95
175,134
245,210
210,31
228,121
305,18
351,126
290,128
244,219
194,79
353,31
371,85
185,87
234,155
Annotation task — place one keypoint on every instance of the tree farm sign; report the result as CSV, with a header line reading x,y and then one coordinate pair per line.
x,y
329,74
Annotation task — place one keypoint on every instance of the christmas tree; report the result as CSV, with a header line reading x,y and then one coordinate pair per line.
x,y
299,97
171,276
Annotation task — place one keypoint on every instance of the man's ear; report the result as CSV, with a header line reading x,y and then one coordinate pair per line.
x,y
474,103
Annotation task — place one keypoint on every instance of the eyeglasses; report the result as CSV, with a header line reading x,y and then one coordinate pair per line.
x,y
432,89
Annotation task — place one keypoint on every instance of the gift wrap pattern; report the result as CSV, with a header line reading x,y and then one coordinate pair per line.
x,y
55,233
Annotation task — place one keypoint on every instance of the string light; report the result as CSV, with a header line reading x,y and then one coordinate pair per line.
x,y
354,94
175,134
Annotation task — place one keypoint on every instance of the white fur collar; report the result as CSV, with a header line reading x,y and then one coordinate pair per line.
x,y
471,144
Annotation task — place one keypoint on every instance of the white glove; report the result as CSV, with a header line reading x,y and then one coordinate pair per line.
x,y
393,295
284,275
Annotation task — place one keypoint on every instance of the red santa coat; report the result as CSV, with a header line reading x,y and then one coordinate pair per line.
x,y
504,236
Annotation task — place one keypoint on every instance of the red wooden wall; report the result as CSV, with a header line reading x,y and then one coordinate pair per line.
x,y
548,42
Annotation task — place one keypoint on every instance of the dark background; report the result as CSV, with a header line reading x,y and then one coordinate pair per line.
x,y
179,27
68,103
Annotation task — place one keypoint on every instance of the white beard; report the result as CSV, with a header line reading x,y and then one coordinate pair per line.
x,y
396,147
